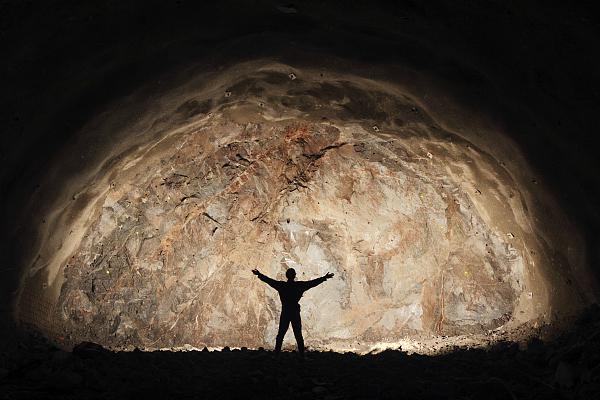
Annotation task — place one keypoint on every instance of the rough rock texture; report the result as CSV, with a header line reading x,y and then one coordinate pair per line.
x,y
427,232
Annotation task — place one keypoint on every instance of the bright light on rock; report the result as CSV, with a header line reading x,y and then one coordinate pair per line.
x,y
427,232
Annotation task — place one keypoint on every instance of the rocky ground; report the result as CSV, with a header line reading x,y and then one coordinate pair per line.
x,y
567,368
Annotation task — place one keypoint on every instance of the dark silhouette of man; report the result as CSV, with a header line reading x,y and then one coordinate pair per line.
x,y
290,293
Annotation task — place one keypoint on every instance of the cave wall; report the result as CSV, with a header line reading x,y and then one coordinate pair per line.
x,y
430,231
463,68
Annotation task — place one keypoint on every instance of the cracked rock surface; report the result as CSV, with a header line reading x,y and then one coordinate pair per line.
x,y
428,233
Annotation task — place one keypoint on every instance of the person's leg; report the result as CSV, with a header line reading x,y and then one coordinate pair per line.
x,y
297,327
284,323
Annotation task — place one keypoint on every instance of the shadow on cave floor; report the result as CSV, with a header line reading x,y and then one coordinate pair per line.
x,y
568,368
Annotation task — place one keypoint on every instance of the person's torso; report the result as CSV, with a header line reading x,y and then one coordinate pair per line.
x,y
290,294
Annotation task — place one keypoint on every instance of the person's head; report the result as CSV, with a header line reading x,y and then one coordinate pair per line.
x,y
290,274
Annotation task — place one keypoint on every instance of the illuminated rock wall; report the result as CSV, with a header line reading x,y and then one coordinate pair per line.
x,y
427,232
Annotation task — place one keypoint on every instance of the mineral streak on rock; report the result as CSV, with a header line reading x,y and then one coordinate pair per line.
x,y
413,219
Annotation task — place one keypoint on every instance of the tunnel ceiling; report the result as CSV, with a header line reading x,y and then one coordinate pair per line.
x,y
382,157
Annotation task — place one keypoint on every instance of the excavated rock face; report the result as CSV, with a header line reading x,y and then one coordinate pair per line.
x,y
426,232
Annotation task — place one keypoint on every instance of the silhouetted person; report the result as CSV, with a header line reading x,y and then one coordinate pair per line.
x,y
290,293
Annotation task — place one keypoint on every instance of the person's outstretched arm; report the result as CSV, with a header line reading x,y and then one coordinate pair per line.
x,y
269,281
318,281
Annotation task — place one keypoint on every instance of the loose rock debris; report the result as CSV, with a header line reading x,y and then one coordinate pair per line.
x,y
566,367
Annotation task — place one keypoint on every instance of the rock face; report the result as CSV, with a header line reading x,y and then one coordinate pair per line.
x,y
168,259
427,233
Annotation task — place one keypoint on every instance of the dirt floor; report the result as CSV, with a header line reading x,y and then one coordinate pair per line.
x,y
567,367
